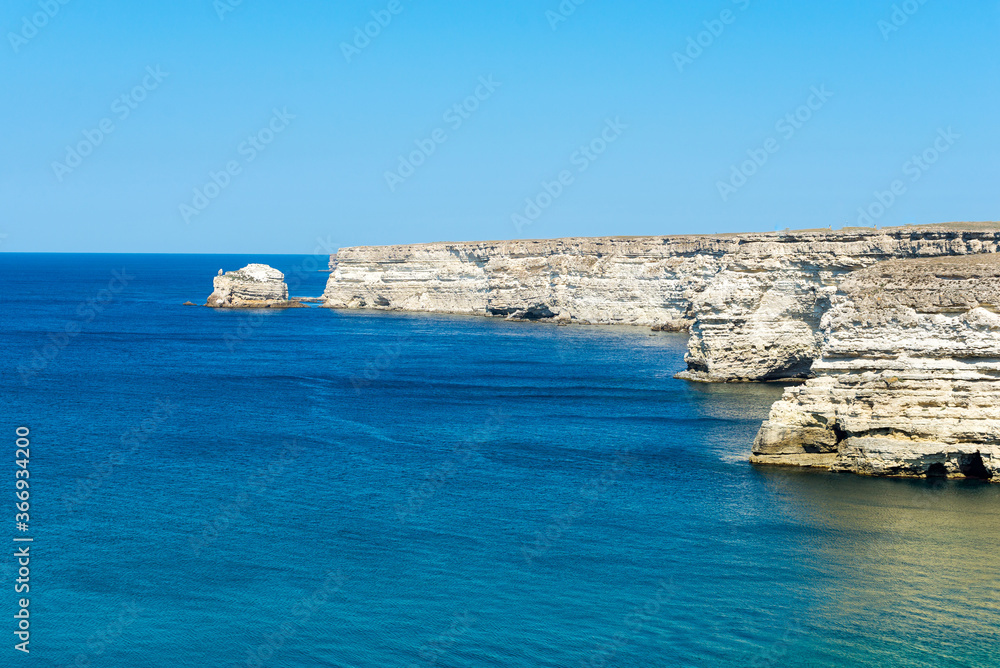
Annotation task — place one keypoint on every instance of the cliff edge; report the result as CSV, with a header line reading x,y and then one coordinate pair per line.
x,y
753,302
906,383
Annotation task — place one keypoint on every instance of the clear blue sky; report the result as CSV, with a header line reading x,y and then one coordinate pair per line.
x,y
560,82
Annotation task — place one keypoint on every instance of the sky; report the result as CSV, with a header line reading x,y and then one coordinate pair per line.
x,y
258,126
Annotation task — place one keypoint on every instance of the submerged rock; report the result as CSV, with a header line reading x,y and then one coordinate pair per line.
x,y
680,325
253,286
908,381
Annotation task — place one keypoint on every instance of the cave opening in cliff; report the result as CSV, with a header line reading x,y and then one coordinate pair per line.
x,y
972,466
937,470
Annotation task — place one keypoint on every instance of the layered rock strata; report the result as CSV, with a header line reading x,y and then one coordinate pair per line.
x,y
617,280
753,302
253,286
908,381
758,318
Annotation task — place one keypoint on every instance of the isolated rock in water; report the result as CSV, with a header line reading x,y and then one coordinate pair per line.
x,y
253,286
908,382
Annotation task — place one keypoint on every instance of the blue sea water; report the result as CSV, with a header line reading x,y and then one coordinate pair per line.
x,y
320,488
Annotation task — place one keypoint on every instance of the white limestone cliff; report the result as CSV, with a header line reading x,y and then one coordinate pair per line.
x,y
616,280
908,382
753,301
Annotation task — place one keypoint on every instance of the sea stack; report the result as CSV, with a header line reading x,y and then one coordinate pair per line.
x,y
908,381
253,286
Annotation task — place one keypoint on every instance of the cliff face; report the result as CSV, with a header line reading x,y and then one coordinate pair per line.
x,y
637,281
907,380
758,318
754,302
253,286
898,329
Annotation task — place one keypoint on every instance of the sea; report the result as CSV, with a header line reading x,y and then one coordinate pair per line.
x,y
313,487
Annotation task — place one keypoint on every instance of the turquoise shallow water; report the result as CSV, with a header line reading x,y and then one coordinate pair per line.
x,y
319,488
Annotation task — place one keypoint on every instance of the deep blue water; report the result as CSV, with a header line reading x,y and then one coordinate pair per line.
x,y
321,488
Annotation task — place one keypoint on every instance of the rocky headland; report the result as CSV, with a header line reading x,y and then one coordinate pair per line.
x,y
907,380
896,331
253,286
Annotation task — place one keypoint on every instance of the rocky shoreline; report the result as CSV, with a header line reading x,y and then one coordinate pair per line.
x,y
752,302
895,332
